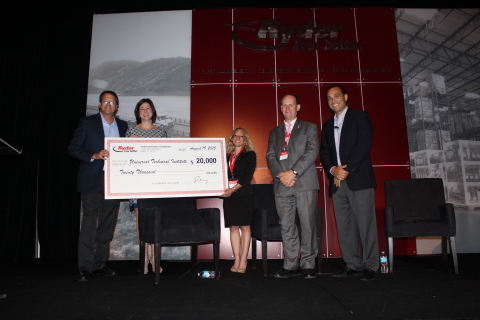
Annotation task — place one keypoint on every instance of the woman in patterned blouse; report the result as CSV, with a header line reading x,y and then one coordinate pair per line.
x,y
146,115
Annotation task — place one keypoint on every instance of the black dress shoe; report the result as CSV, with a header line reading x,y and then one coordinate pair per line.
x,y
345,273
309,274
84,276
284,273
105,271
368,275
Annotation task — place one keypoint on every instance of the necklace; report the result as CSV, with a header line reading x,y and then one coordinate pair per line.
x,y
235,156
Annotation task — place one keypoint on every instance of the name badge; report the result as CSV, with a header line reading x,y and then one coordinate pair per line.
x,y
232,183
283,155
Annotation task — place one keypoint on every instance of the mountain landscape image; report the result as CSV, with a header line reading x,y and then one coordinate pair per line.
x,y
157,77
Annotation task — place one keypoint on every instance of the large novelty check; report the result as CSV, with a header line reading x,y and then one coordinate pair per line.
x,y
165,168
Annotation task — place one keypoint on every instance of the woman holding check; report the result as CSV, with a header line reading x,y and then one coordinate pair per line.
x,y
145,115
238,205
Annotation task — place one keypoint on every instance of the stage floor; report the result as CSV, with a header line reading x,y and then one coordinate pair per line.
x,y
420,288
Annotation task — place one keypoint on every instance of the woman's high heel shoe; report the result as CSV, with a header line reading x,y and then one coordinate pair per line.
x,y
242,270
234,270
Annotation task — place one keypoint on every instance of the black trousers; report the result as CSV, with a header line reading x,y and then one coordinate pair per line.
x,y
97,228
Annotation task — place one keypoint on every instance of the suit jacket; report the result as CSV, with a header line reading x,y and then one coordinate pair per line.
x,y
243,172
355,143
87,140
302,152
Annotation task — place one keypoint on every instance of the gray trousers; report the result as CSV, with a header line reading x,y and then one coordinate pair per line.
x,y
288,203
357,227
97,228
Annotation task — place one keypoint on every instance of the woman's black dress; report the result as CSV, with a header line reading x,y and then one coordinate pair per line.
x,y
238,208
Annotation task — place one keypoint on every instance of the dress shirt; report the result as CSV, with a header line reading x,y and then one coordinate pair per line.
x,y
338,124
110,130
292,124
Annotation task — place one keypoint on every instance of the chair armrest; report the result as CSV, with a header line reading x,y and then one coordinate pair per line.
x,y
149,220
389,220
449,212
256,227
264,223
216,220
260,227
209,216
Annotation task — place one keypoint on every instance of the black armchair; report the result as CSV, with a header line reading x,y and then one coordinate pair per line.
x,y
266,228
417,208
177,221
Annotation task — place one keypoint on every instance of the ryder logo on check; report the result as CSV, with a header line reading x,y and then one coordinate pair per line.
x,y
124,149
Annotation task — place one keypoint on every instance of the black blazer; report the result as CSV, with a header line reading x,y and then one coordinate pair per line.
x,y
87,140
355,143
243,172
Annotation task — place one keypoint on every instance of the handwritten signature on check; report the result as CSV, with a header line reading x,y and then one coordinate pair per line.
x,y
197,179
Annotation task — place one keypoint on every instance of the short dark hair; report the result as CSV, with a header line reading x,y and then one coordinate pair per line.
x,y
290,94
137,110
109,92
342,89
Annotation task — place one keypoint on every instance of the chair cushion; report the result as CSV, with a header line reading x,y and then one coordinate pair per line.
x,y
415,199
186,234
273,233
161,225
421,229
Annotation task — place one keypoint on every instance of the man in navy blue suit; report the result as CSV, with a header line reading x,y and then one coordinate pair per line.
x,y
99,215
345,152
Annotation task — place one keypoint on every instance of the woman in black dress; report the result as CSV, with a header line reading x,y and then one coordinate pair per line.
x,y
238,204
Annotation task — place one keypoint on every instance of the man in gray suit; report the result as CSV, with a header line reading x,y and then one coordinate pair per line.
x,y
292,150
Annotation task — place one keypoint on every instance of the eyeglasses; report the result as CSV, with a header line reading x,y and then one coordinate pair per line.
x,y
110,102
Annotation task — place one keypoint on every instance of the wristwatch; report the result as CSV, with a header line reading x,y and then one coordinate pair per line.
x,y
295,172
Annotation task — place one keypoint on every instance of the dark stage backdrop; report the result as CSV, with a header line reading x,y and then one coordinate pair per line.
x,y
45,61
44,67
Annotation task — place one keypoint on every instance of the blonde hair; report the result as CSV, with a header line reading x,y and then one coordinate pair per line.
x,y
248,141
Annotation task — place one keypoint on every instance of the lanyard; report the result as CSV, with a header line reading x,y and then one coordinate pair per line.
x,y
288,133
233,159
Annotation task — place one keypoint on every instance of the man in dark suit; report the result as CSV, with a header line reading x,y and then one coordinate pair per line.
x,y
345,154
292,151
99,215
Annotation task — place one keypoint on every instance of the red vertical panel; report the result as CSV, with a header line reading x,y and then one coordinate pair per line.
x,y
252,66
337,52
211,46
261,78
256,111
297,62
384,103
211,111
379,59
